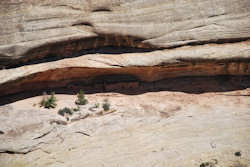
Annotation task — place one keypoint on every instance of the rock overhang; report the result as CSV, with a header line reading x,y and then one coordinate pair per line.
x,y
44,43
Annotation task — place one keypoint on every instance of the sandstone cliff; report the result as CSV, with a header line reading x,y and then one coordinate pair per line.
x,y
186,63
139,38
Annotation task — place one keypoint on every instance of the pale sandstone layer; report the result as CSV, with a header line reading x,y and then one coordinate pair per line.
x,y
152,129
32,29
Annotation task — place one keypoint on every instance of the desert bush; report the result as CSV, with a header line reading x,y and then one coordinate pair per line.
x,y
238,153
211,163
106,105
48,102
97,105
207,164
64,111
81,100
94,107
77,108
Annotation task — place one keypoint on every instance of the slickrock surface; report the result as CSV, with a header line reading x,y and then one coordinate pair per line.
x,y
177,74
151,129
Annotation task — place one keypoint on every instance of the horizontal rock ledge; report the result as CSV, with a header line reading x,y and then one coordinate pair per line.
x,y
204,60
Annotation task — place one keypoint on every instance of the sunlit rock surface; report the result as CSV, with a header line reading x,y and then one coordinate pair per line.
x,y
177,73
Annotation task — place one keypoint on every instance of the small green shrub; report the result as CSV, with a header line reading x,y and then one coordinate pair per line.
x,y
211,163
64,111
48,102
97,105
81,100
238,153
206,164
106,105
76,109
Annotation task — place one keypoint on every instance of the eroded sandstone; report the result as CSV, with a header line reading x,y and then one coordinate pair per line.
x,y
186,63
35,29
146,35
157,128
206,60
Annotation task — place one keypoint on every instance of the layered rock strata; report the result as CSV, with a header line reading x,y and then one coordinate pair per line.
x,y
197,53
154,40
91,70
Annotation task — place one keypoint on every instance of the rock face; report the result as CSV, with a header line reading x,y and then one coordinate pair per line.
x,y
191,57
143,67
199,37
156,128
36,28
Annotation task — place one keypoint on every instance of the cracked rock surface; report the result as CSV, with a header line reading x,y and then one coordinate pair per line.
x,y
30,25
158,128
109,37
176,72
116,37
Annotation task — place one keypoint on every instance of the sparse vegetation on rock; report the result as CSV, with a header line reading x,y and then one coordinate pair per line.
x,y
81,100
106,105
238,153
211,163
207,164
77,108
97,105
48,102
94,107
65,111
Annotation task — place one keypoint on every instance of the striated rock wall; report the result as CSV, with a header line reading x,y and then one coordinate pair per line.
x,y
197,50
153,40
37,28
211,60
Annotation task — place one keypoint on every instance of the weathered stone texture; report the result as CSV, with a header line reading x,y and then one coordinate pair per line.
x,y
28,25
